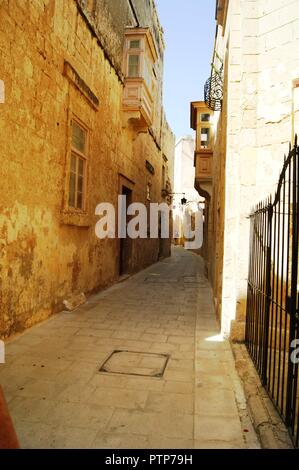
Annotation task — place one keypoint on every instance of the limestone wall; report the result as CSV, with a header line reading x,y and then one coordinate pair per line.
x,y
168,149
48,254
259,45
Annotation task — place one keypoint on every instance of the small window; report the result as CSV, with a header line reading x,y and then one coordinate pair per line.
x,y
133,66
205,117
77,167
163,177
135,44
205,138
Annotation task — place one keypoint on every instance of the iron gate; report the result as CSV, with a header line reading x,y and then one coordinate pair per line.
x,y
272,320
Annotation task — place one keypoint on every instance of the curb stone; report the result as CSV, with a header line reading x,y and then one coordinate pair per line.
x,y
266,421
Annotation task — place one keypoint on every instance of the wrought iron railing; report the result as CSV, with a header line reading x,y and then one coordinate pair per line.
x,y
272,321
213,91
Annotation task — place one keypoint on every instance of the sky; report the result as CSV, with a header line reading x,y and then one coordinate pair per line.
x,y
189,32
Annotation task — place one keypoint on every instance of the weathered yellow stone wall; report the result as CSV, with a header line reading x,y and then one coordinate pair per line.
x,y
259,44
168,149
46,253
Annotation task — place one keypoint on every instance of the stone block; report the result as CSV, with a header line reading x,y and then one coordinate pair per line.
x,y
267,437
169,402
258,411
74,301
215,402
170,425
237,332
217,428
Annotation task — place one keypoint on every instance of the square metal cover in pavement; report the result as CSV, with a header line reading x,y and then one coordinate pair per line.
x,y
135,363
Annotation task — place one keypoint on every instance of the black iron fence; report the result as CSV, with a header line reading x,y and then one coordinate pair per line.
x,y
272,320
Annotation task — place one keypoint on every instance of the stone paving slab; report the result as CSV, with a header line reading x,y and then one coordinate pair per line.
x,y
58,398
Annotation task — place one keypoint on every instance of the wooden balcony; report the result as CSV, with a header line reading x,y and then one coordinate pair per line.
x,y
204,172
202,122
137,102
204,165
140,57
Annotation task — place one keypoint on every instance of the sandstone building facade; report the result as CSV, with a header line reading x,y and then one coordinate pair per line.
x,y
184,173
256,56
82,122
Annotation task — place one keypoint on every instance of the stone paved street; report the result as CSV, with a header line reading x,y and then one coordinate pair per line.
x,y
59,399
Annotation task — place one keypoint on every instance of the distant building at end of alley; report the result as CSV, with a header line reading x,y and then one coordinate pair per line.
x,y
184,191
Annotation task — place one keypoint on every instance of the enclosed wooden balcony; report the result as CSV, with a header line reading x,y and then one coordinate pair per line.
x,y
138,102
204,166
140,56
202,123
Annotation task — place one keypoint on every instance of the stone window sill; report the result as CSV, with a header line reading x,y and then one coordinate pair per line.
x,y
77,218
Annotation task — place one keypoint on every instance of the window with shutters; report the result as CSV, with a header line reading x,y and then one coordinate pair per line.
x,y
204,138
141,79
78,163
133,65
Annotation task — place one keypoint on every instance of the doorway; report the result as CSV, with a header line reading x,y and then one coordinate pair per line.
x,y
125,250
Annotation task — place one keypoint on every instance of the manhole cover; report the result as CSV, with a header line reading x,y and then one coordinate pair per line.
x,y
135,363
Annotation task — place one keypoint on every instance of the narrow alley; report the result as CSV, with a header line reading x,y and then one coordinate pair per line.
x,y
58,398
149,228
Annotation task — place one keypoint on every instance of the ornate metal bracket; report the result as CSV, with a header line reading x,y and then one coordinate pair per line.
x,y
213,90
